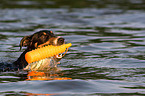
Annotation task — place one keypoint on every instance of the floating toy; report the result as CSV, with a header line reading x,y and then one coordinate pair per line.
x,y
45,52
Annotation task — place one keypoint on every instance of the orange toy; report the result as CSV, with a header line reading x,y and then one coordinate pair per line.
x,y
45,52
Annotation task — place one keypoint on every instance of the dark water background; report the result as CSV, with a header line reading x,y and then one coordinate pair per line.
x,y
108,52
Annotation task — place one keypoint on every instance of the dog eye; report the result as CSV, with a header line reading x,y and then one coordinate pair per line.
x,y
43,36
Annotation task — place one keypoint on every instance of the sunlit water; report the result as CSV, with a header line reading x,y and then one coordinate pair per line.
x,y
107,56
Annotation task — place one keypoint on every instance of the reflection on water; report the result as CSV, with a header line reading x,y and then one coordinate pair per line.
x,y
34,75
108,52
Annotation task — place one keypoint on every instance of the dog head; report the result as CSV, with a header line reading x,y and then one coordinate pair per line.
x,y
40,39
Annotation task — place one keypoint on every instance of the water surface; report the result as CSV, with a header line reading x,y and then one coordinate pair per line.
x,y
108,52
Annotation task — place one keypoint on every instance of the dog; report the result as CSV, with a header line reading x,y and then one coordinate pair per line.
x,y
36,40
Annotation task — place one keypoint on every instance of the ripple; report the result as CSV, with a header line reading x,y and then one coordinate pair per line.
x,y
77,87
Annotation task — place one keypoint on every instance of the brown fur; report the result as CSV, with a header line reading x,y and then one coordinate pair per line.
x,y
38,39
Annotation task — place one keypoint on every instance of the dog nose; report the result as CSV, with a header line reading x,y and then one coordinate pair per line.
x,y
60,41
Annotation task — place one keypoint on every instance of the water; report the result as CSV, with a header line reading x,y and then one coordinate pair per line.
x,y
108,52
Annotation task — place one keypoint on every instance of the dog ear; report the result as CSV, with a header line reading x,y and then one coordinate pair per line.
x,y
25,41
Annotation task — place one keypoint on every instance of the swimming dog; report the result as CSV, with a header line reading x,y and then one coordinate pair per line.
x,y
36,40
